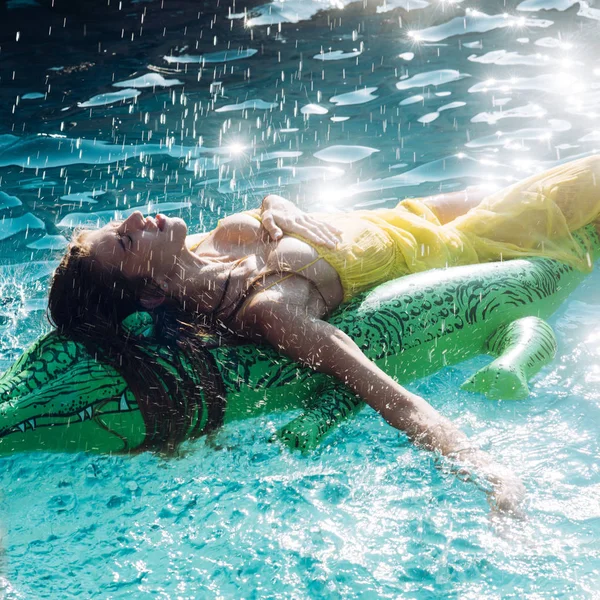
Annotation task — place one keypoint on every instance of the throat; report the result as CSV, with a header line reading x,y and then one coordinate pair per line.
x,y
216,284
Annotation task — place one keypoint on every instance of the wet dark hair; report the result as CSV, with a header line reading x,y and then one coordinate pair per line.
x,y
88,304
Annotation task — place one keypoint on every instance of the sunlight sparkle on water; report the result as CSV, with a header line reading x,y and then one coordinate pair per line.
x,y
236,148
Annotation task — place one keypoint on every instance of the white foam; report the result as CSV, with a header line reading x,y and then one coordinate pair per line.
x,y
514,139
288,130
358,97
442,94
593,136
276,155
474,22
337,55
339,119
248,105
457,166
105,216
550,42
46,151
313,109
583,104
83,197
16,225
585,10
503,57
49,242
535,5
412,100
278,177
33,96
566,146
7,201
211,57
406,56
291,11
451,105
523,40
438,77
528,111
475,45
149,80
27,272
109,98
554,83
428,118
344,154
407,5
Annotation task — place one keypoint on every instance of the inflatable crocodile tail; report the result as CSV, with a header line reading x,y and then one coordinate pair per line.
x,y
57,397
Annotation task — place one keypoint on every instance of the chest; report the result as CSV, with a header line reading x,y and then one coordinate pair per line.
x,y
242,240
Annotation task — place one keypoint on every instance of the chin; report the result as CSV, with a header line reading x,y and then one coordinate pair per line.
x,y
176,230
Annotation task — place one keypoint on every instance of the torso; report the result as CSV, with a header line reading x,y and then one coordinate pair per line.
x,y
246,251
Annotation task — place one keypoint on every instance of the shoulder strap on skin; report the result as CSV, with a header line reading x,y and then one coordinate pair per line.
x,y
194,247
238,305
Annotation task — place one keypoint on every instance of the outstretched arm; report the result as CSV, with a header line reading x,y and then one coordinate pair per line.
x,y
325,348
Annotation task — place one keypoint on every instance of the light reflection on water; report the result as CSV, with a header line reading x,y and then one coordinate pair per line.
x,y
203,116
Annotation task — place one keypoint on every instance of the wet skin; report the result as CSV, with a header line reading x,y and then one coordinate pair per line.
x,y
238,251
287,312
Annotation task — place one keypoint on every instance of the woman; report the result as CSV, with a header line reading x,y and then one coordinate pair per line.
x,y
275,274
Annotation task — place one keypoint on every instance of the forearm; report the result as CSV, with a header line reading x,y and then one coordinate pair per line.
x,y
448,207
325,348
424,425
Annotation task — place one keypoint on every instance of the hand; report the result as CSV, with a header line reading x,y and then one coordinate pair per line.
x,y
508,492
281,216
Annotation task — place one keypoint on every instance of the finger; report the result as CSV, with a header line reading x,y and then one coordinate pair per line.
x,y
331,234
314,236
330,231
333,229
269,224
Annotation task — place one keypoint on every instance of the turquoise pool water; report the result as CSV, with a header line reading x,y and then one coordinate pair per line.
x,y
199,110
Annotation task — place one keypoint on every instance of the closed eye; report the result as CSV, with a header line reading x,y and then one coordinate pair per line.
x,y
121,237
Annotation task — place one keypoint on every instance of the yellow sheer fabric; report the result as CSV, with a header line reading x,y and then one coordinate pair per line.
x,y
379,245
535,217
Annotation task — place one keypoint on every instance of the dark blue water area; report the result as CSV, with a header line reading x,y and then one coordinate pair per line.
x,y
199,109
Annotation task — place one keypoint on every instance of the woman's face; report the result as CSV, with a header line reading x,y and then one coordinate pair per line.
x,y
139,246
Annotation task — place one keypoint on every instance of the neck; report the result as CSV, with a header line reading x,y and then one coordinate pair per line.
x,y
197,282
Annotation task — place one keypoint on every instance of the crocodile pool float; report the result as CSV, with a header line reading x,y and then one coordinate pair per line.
x,y
56,397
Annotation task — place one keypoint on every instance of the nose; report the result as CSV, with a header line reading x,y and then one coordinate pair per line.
x,y
134,221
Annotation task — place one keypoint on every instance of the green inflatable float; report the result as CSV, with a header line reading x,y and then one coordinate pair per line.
x,y
56,397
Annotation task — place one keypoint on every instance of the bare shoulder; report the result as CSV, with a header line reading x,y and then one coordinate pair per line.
x,y
277,302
